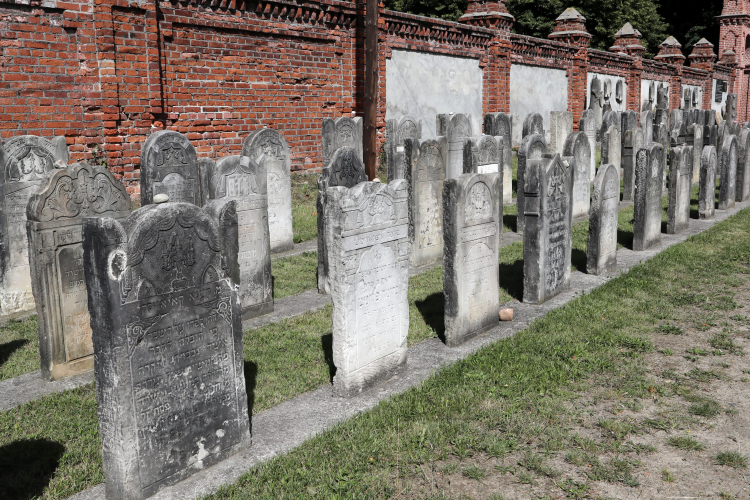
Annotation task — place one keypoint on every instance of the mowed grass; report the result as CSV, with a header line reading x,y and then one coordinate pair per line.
x,y
304,211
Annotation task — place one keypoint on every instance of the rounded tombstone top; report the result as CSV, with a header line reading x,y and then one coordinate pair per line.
x,y
161,198
708,157
533,124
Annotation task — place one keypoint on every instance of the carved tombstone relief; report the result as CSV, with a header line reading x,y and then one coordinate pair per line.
x,y
396,132
339,133
601,250
633,143
707,183
472,218
742,182
500,125
168,347
455,128
54,221
728,172
647,202
587,125
577,148
680,179
169,165
532,148
561,126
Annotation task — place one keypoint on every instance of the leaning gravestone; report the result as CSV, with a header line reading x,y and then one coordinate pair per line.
x,y
742,182
547,238
647,202
472,217
633,144
601,249
345,169
368,242
455,128
55,215
587,125
339,133
500,125
425,175
728,172
169,165
532,148
561,126
680,180
167,325
267,148
612,148
695,140
396,131
707,184
241,179
24,163
577,148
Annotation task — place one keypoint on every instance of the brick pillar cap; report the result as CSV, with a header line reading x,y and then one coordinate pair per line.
x,y
703,41
570,13
670,42
628,30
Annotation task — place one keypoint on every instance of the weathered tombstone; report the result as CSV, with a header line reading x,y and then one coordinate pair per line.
x,y
547,238
601,249
728,172
533,124
532,148
662,97
596,102
578,150
472,215
677,127
425,175
368,241
205,169
167,334
455,128
731,105
268,149
713,139
169,165
24,162
721,133
633,144
680,180
648,105
647,125
396,131
587,125
707,184
742,182
609,119
662,137
347,170
54,216
500,125
561,126
647,202
695,140
482,155
612,148
628,121
339,133
241,179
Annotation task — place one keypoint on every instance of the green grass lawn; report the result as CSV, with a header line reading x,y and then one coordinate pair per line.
x,y
304,211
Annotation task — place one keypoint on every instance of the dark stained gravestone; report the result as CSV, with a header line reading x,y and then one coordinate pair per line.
x,y
473,216
455,128
587,125
167,326
368,244
345,169
561,126
547,238
728,172
601,249
24,162
707,183
680,180
533,124
169,165
633,143
612,148
425,174
54,216
396,131
339,133
241,179
267,147
532,148
742,182
500,125
647,202
695,140
577,148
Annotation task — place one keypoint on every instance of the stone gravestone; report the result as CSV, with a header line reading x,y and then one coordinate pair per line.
x,y
169,165
633,144
455,128
662,138
677,128
347,170
396,131
601,249
647,202
267,148
695,140
425,175
731,104
609,119
368,241
500,125
578,150
647,125
55,214
612,148
587,125
628,121
167,326
533,124
680,180
24,162
532,148
561,126
728,173
707,183
482,155
472,216
596,102
241,179
742,182
339,133
205,168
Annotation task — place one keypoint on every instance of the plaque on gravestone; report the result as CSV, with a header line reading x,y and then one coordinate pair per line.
x,y
472,216
339,133
695,139
267,147
425,175
169,165
612,148
24,162
647,199
241,179
728,172
368,243
561,126
167,326
345,169
577,147
707,183
587,125
455,128
742,183
500,125
680,180
533,124
718,97
532,148
396,132
601,249
633,143
54,216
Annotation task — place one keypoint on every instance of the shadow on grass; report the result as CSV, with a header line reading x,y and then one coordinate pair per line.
x,y
511,279
578,259
26,467
625,238
326,342
432,309
511,221
9,348
251,375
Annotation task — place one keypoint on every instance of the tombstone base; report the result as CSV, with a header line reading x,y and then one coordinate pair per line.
x,y
454,340
257,310
15,304
64,370
282,246
368,376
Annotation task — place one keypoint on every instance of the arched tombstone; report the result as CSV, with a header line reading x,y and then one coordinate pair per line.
x,y
601,248
728,172
561,126
633,143
55,214
267,148
607,95
396,131
742,183
647,125
587,125
620,92
707,183
455,128
241,179
596,102
482,155
533,124
341,132
695,140
169,165
24,162
169,367
577,149
680,180
347,170
612,148
609,119
500,125
532,148
628,121
647,203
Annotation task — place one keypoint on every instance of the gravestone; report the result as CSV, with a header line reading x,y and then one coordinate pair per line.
x,y
241,179
647,124
472,217
680,180
662,97
695,140
628,121
532,148
647,202
339,133
24,162
482,155
609,119
707,183
648,105
500,125
347,170
205,168
267,148
455,128
742,182
169,165
396,131
533,124
728,172
662,137
547,238
55,214
578,150
169,367
612,148
731,104
601,248
561,126
596,102
368,242
677,128
633,144
425,175
721,133
587,125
